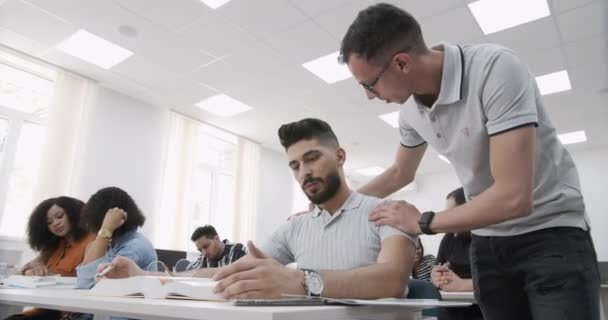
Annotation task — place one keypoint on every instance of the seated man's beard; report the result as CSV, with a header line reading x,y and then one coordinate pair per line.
x,y
332,184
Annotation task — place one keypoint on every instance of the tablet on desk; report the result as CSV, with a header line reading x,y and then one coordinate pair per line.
x,y
283,302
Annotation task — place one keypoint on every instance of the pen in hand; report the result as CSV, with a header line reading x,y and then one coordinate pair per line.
x,y
104,272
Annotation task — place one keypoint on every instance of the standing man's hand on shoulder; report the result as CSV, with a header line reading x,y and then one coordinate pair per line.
x,y
399,214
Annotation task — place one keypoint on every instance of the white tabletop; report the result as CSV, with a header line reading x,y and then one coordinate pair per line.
x,y
468,296
80,301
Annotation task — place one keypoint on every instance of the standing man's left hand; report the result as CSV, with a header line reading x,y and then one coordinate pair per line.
x,y
399,214
257,276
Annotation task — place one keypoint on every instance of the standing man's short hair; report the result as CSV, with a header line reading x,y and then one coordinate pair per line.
x,y
381,31
207,231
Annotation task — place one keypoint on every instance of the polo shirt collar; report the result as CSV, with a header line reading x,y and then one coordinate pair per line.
x,y
452,75
353,202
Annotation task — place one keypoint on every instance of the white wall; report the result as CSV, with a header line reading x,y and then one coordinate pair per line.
x,y
124,144
593,173
594,182
275,194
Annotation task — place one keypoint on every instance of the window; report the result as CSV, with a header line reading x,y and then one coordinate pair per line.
x,y
199,184
213,180
25,95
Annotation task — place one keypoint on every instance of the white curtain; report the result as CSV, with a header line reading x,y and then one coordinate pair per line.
x,y
246,190
72,97
176,197
174,220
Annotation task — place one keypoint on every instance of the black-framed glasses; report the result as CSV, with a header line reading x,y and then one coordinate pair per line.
x,y
370,86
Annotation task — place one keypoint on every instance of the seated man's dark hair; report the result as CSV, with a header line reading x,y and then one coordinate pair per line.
x,y
307,129
207,231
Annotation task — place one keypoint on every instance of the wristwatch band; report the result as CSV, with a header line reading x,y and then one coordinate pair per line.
x,y
105,233
425,222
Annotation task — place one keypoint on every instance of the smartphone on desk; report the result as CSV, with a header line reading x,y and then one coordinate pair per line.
x,y
283,302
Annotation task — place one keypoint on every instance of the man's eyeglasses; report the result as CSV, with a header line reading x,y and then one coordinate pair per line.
x,y
370,86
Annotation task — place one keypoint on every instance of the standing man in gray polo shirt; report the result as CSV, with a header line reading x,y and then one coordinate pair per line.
x,y
479,106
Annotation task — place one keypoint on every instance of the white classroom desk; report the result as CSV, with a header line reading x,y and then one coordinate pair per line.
x,y
139,308
467,296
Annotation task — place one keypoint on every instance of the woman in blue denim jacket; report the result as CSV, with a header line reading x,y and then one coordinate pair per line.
x,y
114,216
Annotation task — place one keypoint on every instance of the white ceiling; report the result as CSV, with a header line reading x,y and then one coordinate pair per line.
x,y
253,51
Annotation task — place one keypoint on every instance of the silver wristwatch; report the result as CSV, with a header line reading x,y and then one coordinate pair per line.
x,y
313,284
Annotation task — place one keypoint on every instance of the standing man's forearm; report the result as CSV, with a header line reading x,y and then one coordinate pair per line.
x,y
385,184
398,175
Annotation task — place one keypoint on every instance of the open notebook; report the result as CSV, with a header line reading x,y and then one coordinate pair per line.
x,y
31,282
157,288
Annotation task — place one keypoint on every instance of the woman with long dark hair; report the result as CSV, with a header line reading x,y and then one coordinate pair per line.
x,y
54,231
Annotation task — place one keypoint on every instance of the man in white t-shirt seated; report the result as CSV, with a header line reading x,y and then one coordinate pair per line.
x,y
339,253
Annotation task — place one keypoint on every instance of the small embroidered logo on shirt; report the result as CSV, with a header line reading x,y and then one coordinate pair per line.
x,y
465,131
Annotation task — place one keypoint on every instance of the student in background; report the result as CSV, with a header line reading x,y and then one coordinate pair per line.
x,y
54,231
114,216
215,252
423,264
453,272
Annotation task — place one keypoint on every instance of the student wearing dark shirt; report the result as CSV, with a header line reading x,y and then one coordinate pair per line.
x,y
423,264
453,270
214,252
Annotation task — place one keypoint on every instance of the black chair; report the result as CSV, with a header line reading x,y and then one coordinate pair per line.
x,y
603,267
170,257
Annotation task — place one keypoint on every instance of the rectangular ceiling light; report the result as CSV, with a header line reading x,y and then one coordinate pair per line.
x,y
328,69
444,159
496,15
572,137
214,4
391,118
371,171
223,105
553,82
93,49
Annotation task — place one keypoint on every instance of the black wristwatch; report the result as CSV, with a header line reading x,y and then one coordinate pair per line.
x,y
425,222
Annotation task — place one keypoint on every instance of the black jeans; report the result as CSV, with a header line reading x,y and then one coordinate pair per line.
x,y
550,274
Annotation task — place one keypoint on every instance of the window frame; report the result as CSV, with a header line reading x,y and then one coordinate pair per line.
x,y
16,120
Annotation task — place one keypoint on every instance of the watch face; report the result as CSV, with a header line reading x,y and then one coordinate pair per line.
x,y
315,284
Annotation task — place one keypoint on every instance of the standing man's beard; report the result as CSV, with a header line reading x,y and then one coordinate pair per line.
x,y
331,184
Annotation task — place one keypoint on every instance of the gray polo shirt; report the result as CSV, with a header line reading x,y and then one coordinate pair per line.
x,y
319,241
486,90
